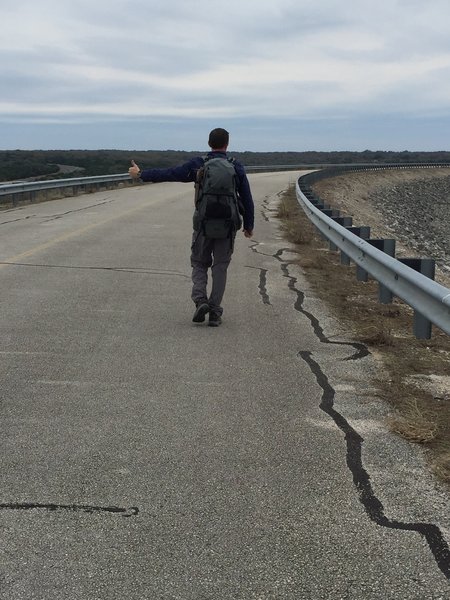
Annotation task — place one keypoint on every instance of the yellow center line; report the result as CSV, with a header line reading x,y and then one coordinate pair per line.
x,y
68,235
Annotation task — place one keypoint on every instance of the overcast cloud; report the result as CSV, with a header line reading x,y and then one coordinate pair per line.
x,y
281,75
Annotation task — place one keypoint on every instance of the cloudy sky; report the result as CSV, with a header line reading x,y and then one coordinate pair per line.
x,y
280,75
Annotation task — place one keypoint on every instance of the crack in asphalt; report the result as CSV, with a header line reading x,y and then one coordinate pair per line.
x,y
262,284
16,220
60,215
48,218
265,208
361,479
138,270
124,512
361,349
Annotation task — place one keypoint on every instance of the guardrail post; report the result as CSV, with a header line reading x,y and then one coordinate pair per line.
x,y
387,246
345,222
327,210
426,266
331,212
362,232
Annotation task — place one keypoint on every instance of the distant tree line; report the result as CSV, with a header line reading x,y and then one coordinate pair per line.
x,y
31,164
19,164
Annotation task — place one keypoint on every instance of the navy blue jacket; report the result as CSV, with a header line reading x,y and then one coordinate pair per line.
x,y
187,172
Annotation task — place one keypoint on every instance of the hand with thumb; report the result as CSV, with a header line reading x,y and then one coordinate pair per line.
x,y
134,170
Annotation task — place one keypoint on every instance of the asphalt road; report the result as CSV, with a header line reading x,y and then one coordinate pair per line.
x,y
145,457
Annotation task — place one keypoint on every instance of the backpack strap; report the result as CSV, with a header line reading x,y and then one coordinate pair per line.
x,y
199,179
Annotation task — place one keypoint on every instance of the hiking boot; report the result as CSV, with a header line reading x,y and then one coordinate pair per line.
x,y
214,320
200,312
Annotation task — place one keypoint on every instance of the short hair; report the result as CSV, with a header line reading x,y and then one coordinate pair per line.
x,y
218,138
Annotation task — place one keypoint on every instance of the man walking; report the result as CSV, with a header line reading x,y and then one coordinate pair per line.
x,y
208,252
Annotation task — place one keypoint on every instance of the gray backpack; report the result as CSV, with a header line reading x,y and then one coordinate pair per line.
x,y
216,203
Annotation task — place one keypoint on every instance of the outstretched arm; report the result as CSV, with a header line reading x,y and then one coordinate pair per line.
x,y
184,173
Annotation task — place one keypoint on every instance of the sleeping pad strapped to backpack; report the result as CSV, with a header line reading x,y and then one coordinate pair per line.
x,y
216,204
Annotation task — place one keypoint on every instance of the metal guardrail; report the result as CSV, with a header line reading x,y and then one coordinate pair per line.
x,y
429,299
340,168
10,189
31,187
37,186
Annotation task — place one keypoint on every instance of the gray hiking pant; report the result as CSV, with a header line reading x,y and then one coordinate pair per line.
x,y
214,254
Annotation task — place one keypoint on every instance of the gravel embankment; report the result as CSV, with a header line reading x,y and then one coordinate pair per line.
x,y
420,212
412,205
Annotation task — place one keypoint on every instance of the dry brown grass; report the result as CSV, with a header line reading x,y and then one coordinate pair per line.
x,y
415,422
418,415
441,465
381,336
291,223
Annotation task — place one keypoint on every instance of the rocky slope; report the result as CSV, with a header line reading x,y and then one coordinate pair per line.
x,y
411,205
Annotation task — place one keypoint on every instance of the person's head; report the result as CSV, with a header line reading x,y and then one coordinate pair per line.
x,y
218,139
